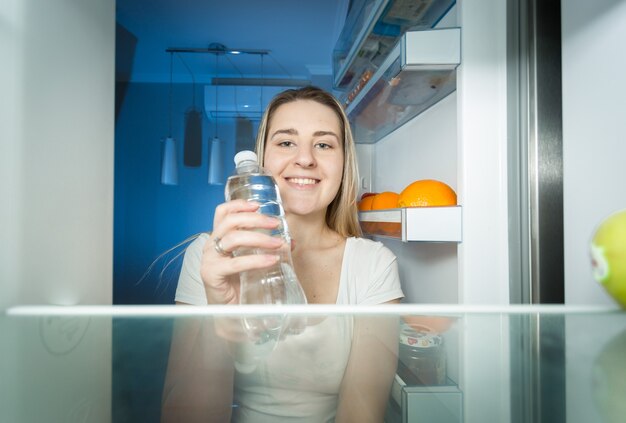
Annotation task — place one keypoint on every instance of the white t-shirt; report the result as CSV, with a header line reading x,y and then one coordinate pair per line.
x,y
369,274
298,378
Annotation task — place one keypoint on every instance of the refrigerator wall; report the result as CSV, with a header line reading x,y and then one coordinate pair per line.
x,y
594,124
56,204
56,196
56,369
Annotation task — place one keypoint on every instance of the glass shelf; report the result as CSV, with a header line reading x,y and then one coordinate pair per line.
x,y
419,72
166,363
426,224
371,30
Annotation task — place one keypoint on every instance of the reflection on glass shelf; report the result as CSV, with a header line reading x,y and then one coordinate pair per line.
x,y
439,403
427,224
456,363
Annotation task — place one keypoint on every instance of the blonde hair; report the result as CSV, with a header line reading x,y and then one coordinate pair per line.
x,y
341,214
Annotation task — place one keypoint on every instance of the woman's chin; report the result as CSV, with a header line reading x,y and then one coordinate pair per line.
x,y
304,210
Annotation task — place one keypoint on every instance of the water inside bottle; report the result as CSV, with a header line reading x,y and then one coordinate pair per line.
x,y
277,285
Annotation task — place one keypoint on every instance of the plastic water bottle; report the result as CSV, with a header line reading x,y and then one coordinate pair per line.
x,y
278,284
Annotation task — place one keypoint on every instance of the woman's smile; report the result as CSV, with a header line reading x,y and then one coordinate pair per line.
x,y
302,182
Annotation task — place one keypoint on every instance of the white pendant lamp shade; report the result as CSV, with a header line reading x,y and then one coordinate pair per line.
x,y
169,154
216,167
169,163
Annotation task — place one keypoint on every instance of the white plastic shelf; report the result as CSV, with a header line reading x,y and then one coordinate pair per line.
x,y
415,224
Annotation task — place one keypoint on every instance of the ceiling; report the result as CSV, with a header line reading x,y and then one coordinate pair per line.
x,y
300,35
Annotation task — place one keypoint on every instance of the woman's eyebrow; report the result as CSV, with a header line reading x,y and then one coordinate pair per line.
x,y
324,133
288,131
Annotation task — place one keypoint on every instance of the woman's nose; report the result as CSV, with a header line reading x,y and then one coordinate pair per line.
x,y
305,157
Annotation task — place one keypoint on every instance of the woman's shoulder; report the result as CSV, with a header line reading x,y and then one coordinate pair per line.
x,y
368,250
365,245
193,251
198,243
371,273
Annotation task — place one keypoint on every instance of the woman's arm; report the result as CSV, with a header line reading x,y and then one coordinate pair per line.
x,y
199,380
366,384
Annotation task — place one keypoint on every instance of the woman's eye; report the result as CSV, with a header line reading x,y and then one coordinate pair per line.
x,y
285,144
323,145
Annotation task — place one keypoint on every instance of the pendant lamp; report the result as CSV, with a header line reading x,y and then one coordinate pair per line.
x,y
169,158
216,167
192,141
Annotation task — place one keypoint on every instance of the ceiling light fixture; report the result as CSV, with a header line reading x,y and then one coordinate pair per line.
x,y
216,48
221,49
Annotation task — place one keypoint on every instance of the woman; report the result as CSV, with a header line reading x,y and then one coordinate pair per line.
x,y
305,142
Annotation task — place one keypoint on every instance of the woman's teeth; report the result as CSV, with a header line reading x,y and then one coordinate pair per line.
x,y
303,181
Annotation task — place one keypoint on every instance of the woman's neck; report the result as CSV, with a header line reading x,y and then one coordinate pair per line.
x,y
310,231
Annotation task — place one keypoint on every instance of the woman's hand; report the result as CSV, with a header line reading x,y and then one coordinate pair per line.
x,y
233,228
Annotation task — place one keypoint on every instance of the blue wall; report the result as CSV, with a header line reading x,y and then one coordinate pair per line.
x,y
149,217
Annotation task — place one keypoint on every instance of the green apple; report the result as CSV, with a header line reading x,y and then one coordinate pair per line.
x,y
608,256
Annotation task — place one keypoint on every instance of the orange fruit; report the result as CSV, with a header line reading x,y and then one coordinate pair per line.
x,y
427,192
366,203
385,200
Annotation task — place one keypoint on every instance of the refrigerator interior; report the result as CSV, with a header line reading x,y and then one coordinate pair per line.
x,y
428,144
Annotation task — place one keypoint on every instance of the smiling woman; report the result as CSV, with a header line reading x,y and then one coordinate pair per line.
x,y
305,141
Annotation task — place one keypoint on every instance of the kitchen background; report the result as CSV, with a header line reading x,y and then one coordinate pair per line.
x,y
58,155
150,217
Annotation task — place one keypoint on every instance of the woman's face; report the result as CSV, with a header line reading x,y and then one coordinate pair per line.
x,y
304,153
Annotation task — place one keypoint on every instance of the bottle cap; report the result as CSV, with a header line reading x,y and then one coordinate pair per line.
x,y
245,156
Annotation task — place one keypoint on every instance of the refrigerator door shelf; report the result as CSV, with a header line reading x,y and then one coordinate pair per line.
x,y
421,224
371,30
419,72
